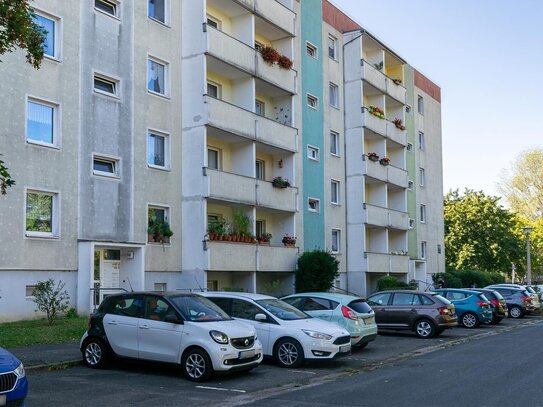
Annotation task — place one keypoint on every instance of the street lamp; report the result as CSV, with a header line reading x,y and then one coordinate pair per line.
x,y
527,231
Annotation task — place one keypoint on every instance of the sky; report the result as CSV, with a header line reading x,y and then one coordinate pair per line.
x,y
487,57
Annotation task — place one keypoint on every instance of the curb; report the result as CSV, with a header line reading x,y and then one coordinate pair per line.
x,y
54,366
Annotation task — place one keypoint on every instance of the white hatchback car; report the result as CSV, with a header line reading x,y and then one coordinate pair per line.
x,y
185,329
286,333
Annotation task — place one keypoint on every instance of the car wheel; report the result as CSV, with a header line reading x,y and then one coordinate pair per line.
x,y
197,365
289,353
425,328
470,320
95,354
516,312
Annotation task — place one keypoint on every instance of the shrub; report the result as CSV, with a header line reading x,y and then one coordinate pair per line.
x,y
317,271
51,299
392,283
72,313
466,278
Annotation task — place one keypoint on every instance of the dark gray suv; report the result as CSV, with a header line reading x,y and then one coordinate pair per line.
x,y
519,301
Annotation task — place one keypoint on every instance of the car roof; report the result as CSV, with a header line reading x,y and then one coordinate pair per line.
x,y
328,296
404,291
458,290
230,294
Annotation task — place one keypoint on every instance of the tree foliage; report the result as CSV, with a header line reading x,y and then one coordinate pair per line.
x,y
5,178
316,271
466,278
480,234
50,298
18,30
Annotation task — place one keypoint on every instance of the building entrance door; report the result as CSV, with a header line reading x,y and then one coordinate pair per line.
x,y
107,265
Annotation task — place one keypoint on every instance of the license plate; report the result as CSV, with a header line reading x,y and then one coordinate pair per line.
x,y
246,354
369,321
2,399
344,348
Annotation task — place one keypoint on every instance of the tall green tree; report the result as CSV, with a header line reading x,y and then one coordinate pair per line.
x,y
316,271
18,30
480,234
522,184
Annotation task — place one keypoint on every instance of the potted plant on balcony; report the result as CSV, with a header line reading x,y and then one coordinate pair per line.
x,y
159,231
384,161
397,81
270,54
379,66
284,62
217,229
376,111
373,157
398,123
264,239
279,182
241,227
289,241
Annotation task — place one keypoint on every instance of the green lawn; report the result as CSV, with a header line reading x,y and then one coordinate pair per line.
x,y
24,333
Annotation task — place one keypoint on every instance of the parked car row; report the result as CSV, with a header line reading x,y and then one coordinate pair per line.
x,y
214,332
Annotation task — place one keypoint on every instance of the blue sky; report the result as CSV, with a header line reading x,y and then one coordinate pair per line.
x,y
487,57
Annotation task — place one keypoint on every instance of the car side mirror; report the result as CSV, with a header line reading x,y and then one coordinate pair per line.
x,y
261,317
172,318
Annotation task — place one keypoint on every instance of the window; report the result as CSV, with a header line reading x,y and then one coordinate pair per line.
x,y
405,299
407,109
439,249
316,304
158,150
421,140
334,192
332,47
336,234
105,166
259,108
334,143
410,185
334,95
420,104
103,84
41,214
49,45
409,147
313,153
260,227
423,213
411,223
214,90
157,77
157,309
422,177
106,6
311,50
312,101
244,309
157,10
260,169
379,299
161,286
29,290
213,22
423,250
41,122
157,220
213,158
313,205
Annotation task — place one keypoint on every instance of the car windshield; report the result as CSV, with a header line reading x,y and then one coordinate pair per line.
x,y
198,309
530,290
282,310
497,295
442,299
360,306
483,297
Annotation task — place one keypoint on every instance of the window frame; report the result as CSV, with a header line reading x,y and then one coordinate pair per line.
x,y
410,185
316,150
332,41
216,85
338,238
423,250
337,183
57,125
333,86
420,104
262,108
309,45
422,177
411,223
166,21
215,20
259,163
167,216
422,213
107,79
167,149
166,65
421,140
219,158
57,34
310,97
409,147
107,158
55,215
317,203
334,134
115,4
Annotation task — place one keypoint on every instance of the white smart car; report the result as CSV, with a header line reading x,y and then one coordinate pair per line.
x,y
286,333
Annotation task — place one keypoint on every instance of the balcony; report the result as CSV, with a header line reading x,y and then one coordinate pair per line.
x,y
373,123
386,173
395,134
387,263
268,196
395,91
272,258
229,187
386,218
230,50
277,14
374,77
229,256
250,125
272,73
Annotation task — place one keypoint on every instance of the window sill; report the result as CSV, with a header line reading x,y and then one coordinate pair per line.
x,y
42,144
164,24
158,167
111,95
56,60
41,235
334,107
160,95
335,204
335,155
105,175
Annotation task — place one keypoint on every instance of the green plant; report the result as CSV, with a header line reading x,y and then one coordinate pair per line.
x,y
5,179
265,237
376,111
391,282
279,182
50,298
217,228
241,224
272,287
72,313
317,271
287,239
160,230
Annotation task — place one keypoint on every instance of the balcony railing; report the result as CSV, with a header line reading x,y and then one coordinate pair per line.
x,y
386,173
386,263
396,134
283,78
277,14
374,123
272,258
278,198
230,50
385,217
382,82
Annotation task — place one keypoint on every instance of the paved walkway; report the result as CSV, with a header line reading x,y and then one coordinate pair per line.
x,y
43,356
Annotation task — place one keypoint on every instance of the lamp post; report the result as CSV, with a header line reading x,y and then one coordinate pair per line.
x,y
527,231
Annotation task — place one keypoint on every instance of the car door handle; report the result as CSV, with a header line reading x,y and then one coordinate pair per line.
x,y
112,323
144,326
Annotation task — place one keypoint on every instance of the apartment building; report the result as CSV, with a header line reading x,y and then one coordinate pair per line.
x,y
160,117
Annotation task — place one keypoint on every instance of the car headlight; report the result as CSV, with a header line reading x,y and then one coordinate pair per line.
x,y
219,336
20,371
317,335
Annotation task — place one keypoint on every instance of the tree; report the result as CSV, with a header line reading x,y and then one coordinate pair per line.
x,y
522,185
18,30
480,234
316,271
51,299
5,178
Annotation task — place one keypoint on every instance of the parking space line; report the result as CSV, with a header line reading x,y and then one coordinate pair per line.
x,y
220,389
302,371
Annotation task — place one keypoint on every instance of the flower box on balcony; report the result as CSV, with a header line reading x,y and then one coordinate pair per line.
x,y
279,182
377,112
289,241
384,161
373,157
